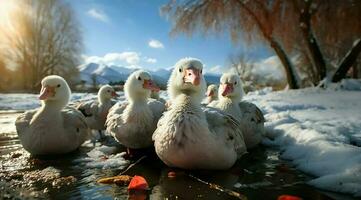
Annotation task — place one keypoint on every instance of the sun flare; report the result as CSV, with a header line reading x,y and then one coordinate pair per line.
x,y
6,8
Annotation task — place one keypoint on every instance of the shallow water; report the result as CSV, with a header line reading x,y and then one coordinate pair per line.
x,y
258,175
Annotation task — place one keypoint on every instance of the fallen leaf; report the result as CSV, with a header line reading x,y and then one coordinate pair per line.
x,y
138,183
122,179
288,197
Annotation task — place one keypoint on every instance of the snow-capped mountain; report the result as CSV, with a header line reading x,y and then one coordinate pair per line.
x,y
104,74
101,73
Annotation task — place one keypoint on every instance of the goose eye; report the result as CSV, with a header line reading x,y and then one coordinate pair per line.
x,y
235,83
201,71
108,91
139,78
58,85
180,70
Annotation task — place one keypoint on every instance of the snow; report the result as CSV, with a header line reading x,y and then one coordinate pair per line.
x,y
319,131
103,157
19,101
22,102
345,84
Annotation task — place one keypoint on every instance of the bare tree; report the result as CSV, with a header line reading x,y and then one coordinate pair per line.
x,y
4,75
306,10
242,65
251,20
43,38
325,30
322,32
347,62
94,81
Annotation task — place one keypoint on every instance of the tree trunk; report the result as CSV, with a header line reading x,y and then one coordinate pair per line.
x,y
313,48
355,70
347,61
290,73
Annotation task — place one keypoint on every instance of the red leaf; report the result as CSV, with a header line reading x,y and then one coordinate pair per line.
x,y
138,183
288,197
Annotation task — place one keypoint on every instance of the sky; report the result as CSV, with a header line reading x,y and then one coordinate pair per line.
x,y
133,33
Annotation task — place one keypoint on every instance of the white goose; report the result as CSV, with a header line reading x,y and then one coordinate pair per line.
x,y
189,137
52,129
132,123
96,112
155,95
248,114
211,94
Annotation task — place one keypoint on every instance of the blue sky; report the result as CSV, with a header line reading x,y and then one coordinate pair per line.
x,y
132,33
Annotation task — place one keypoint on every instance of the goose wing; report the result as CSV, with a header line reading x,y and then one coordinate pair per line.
x,y
23,121
251,112
88,108
227,128
114,115
74,122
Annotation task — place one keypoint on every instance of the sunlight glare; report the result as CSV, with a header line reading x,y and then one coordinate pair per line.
x,y
6,7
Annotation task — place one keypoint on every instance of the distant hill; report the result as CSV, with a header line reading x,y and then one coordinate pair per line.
x,y
105,74
212,78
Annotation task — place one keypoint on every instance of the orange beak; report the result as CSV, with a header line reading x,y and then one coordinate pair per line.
x,y
192,76
148,84
114,94
46,92
228,88
210,93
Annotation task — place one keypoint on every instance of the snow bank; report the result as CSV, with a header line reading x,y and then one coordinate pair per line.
x,y
319,131
22,102
19,101
344,84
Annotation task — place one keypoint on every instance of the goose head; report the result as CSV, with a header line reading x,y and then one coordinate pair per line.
x,y
54,90
231,87
139,86
154,94
187,78
105,93
212,92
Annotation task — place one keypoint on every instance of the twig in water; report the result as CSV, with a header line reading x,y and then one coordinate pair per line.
x,y
132,165
220,188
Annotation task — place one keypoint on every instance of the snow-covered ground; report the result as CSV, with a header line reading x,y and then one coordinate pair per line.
x,y
319,130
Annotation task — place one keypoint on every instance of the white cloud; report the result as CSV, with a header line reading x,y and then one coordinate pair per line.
x,y
216,70
128,57
155,44
97,14
151,60
269,67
